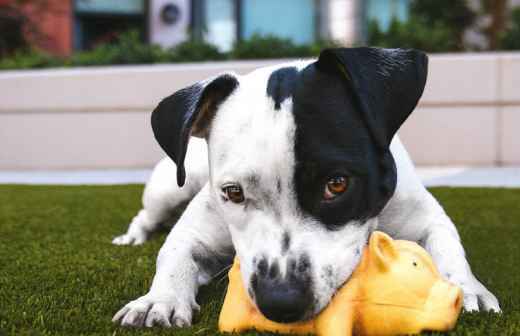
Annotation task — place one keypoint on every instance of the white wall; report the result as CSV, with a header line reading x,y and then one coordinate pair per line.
x,y
99,117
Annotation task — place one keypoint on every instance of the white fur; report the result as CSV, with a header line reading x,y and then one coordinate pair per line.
x,y
249,138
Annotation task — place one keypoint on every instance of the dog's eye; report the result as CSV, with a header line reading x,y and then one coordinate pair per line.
x,y
335,186
233,192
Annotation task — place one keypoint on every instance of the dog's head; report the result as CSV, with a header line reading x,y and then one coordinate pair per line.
x,y
300,164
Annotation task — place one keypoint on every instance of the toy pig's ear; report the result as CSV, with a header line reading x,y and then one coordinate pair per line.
x,y
383,250
188,112
387,84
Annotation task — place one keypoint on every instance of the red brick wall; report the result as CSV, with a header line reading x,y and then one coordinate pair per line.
x,y
50,24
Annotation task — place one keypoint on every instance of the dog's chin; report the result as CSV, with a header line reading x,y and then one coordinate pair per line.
x,y
328,292
319,305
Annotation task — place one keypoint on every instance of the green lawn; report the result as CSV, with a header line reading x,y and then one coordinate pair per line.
x,y
59,274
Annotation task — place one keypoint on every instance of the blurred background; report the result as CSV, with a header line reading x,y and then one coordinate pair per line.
x,y
78,32
67,102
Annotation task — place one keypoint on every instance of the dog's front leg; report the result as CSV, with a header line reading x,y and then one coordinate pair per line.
x,y
443,243
196,249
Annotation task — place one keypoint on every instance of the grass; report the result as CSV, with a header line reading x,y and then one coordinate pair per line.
x,y
59,274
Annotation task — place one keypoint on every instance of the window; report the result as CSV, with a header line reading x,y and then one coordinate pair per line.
x,y
221,23
225,21
383,11
293,19
101,21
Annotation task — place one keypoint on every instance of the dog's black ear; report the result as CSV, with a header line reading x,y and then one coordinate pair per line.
x,y
387,84
187,112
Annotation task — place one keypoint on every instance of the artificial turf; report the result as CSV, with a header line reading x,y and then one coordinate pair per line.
x,y
60,275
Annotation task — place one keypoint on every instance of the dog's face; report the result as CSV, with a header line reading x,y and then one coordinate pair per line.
x,y
300,165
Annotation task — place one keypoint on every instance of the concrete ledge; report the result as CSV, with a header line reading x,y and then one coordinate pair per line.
x,y
455,79
452,135
77,140
99,117
510,135
118,88
505,177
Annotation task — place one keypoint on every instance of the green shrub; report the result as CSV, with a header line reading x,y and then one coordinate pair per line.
x,y
196,51
510,39
433,25
412,34
129,49
31,59
269,46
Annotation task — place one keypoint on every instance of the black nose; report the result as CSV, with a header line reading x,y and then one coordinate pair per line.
x,y
282,300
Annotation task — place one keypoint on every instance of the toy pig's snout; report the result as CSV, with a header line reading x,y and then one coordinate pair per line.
x,y
443,306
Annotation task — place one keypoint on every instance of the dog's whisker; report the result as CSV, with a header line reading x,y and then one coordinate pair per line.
x,y
221,271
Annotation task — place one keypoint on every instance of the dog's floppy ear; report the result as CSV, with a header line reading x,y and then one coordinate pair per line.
x,y
387,84
187,112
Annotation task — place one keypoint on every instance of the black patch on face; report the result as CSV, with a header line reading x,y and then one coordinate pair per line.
x,y
286,241
280,85
332,140
347,107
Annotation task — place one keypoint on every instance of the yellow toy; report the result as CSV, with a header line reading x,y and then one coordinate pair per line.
x,y
395,290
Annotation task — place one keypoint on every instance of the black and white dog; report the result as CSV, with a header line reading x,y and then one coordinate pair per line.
x,y
301,165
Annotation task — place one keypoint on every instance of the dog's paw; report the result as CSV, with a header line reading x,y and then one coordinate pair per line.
x,y
133,237
477,297
156,310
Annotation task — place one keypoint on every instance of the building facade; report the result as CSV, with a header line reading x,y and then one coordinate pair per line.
x,y
64,26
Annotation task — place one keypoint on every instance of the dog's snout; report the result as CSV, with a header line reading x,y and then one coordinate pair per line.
x,y
281,298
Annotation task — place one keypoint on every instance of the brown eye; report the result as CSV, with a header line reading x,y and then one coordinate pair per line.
x,y
335,186
233,193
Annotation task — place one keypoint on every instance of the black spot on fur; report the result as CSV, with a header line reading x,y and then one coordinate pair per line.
x,y
328,276
209,206
286,242
278,186
358,251
291,265
274,270
222,157
254,283
253,181
262,267
304,264
280,85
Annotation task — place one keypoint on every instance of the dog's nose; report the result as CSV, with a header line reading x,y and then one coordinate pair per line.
x,y
282,300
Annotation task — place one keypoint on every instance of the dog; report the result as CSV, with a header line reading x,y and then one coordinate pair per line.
x,y
302,163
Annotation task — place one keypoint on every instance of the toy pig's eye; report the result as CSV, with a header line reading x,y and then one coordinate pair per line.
x,y
414,264
233,192
335,187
